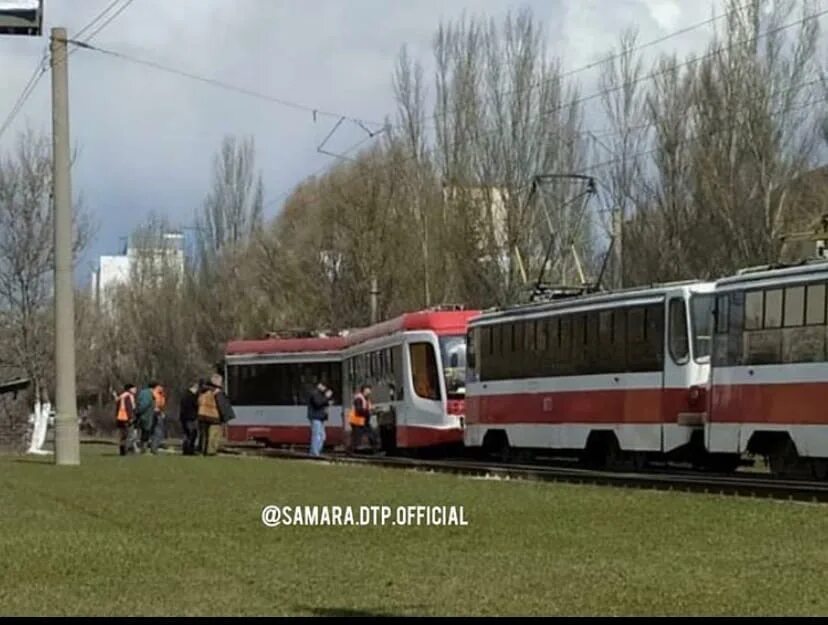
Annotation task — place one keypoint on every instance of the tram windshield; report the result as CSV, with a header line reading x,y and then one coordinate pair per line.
x,y
453,354
701,317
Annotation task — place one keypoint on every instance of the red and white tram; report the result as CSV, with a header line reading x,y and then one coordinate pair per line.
x,y
269,381
416,365
769,386
607,376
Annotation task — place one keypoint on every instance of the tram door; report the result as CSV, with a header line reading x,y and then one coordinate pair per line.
x,y
684,377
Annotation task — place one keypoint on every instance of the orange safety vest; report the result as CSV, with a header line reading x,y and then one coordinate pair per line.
x,y
355,419
123,413
159,397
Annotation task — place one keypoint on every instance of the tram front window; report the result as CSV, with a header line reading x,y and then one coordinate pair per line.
x,y
701,313
453,355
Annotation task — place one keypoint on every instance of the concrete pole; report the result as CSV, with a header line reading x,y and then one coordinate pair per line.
x,y
67,441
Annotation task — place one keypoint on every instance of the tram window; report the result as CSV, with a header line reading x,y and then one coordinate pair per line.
x,y
578,332
619,327
655,335
815,305
518,328
679,342
564,338
485,341
592,332
794,306
424,370
399,387
541,341
529,336
553,330
754,302
605,331
472,346
635,324
722,314
618,352
773,308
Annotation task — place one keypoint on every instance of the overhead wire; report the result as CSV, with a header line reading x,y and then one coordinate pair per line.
x,y
651,76
541,115
220,83
43,65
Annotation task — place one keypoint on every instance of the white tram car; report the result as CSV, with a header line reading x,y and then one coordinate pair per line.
x,y
612,377
769,386
416,365
268,382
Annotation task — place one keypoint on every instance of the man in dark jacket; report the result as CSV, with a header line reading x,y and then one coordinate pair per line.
x,y
188,415
318,414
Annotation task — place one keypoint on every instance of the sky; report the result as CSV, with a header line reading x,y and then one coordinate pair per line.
x,y
146,139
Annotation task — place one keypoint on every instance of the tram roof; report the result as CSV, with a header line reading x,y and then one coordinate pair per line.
x,y
591,299
285,346
442,322
780,272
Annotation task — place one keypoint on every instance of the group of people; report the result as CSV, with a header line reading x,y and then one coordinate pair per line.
x,y
141,417
359,418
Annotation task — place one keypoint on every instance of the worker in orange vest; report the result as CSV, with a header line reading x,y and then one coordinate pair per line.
x,y
360,418
159,396
125,417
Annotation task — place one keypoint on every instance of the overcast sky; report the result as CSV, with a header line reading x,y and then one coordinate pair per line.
x,y
147,139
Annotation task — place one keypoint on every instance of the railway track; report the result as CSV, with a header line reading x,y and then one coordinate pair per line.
x,y
747,486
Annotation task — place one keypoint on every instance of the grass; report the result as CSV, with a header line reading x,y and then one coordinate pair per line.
x,y
174,535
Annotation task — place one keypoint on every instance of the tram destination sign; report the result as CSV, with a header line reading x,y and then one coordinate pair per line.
x,y
21,17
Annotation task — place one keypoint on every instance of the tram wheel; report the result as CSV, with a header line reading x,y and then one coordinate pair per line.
x,y
785,462
819,469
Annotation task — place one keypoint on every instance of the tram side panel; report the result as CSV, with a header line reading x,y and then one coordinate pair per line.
x,y
770,371
270,395
618,374
406,375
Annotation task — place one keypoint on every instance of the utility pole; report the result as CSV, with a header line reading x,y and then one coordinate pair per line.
x,y
67,442
374,301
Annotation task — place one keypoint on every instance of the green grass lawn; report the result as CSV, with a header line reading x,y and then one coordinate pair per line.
x,y
172,535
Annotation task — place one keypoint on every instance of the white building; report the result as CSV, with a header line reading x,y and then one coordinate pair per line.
x,y
119,269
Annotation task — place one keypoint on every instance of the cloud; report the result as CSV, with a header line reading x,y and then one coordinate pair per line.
x,y
147,138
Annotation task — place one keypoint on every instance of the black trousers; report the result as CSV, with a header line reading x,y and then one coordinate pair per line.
x,y
358,432
189,436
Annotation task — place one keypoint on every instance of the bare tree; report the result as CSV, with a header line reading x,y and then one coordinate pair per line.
x,y
410,149
730,131
27,260
504,114
233,209
624,101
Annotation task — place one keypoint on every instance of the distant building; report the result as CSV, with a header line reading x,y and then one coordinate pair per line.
x,y
119,269
490,202
806,227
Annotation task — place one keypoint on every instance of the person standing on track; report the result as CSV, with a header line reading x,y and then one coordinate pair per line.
x,y
145,415
214,410
188,415
360,419
159,417
125,418
318,403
